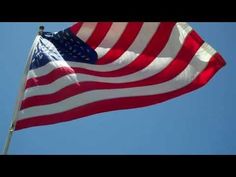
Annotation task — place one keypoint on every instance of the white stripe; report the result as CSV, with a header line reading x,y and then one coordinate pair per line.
x,y
196,66
176,39
139,44
112,36
160,63
144,36
86,30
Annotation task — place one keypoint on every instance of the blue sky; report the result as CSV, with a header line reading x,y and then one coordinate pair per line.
x,y
201,122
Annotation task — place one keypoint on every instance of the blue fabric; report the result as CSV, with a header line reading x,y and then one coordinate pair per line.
x,y
63,45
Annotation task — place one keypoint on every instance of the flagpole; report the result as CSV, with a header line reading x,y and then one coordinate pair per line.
x,y
20,94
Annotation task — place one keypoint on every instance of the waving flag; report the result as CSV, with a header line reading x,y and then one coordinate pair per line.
x,y
91,68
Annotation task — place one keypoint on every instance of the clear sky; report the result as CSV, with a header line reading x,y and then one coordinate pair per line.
x,y
201,122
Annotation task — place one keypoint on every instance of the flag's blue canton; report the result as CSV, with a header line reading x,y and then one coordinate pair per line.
x,y
63,45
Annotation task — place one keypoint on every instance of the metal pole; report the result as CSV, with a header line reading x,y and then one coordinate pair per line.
x,y
20,95
6,147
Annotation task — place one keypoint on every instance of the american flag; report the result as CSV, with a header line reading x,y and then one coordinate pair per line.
x,y
95,67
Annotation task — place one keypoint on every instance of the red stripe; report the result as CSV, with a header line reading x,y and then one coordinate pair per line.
x,y
76,27
190,46
213,66
49,78
126,39
98,34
